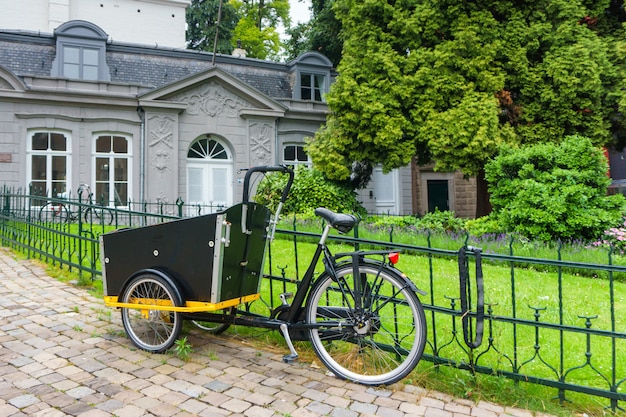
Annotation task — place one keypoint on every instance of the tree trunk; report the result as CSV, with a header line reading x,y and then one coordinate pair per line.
x,y
483,206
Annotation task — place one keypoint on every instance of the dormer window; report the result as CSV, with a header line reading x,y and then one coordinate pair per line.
x,y
81,52
312,72
312,86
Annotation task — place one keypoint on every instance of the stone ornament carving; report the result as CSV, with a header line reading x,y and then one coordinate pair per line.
x,y
161,143
261,137
212,100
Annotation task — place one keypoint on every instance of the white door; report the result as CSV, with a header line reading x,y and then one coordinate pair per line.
x,y
209,178
386,191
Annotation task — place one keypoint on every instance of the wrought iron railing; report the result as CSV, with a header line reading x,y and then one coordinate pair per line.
x,y
550,339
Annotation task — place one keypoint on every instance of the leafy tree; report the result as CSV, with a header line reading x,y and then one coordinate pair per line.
x,y
449,82
553,191
256,28
321,33
202,18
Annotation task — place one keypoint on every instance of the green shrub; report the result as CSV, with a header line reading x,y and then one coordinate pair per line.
x,y
484,226
553,191
400,222
441,221
310,190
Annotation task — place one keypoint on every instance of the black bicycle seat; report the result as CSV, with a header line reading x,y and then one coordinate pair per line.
x,y
340,221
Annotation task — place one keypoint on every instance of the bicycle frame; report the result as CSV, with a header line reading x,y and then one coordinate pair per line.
x,y
294,321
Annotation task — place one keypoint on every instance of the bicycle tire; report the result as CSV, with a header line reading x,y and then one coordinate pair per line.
x,y
151,330
103,215
378,344
53,213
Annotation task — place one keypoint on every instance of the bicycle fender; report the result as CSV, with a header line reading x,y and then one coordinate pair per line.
x,y
161,274
394,271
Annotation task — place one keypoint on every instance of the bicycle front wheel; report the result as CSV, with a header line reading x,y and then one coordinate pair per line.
x,y
376,337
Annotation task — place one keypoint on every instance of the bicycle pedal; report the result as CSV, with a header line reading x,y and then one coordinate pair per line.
x,y
284,297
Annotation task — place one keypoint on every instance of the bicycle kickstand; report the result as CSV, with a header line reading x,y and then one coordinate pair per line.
x,y
293,356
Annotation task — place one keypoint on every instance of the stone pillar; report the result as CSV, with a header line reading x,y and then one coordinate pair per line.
x,y
162,158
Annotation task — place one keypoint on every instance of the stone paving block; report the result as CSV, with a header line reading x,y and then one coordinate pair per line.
x,y
342,412
256,411
361,407
235,405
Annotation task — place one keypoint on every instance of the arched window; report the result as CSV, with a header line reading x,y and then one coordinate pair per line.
x,y
209,176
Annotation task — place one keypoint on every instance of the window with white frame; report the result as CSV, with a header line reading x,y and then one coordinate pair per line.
x,y
294,154
112,165
312,86
48,163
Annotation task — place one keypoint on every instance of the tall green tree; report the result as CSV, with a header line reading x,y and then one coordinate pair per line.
x,y
202,18
322,33
256,29
449,81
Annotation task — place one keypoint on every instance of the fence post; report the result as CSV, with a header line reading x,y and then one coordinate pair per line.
x,y
180,203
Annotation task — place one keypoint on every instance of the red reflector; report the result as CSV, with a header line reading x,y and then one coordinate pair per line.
x,y
394,257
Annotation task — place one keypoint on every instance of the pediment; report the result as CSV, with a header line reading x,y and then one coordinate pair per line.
x,y
9,81
214,91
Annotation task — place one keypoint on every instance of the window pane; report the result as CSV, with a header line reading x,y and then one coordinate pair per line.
x,y
194,176
302,156
90,57
121,169
40,142
220,178
103,144
121,194
120,144
59,190
102,169
305,80
319,81
38,171
318,94
101,195
217,151
305,86
38,188
71,55
71,70
59,168
290,153
197,150
58,142
90,73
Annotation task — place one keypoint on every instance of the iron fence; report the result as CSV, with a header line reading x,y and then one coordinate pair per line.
x,y
550,321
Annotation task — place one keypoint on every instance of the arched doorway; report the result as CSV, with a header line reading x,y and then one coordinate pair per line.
x,y
209,176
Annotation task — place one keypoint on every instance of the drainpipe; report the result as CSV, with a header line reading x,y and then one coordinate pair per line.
x,y
276,150
142,157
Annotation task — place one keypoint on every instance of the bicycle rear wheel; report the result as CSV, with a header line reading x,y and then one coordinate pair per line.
x,y
99,215
53,213
373,338
151,329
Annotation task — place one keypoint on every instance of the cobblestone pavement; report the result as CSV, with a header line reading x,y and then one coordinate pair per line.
x,y
62,353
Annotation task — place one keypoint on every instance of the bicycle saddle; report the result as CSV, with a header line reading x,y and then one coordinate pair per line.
x,y
340,221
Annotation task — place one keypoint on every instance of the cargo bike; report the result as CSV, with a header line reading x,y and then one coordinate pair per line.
x,y
361,315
